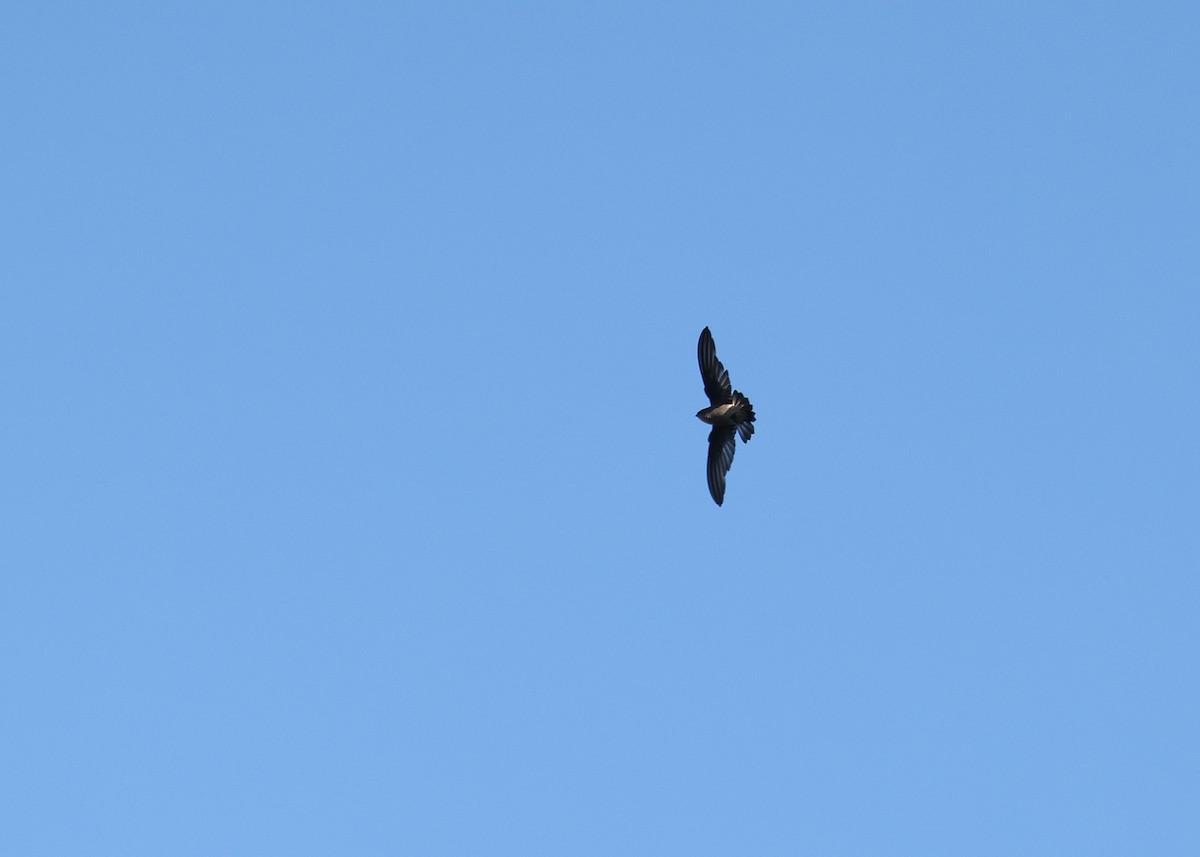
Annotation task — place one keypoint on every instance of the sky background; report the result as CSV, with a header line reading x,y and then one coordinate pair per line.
x,y
352,497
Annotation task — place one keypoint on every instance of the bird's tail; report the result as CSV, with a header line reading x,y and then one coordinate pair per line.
x,y
746,427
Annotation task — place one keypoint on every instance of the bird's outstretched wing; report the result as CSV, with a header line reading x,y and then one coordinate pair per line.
x,y
716,379
722,444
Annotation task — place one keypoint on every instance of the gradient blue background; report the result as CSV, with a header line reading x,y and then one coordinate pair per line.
x,y
352,497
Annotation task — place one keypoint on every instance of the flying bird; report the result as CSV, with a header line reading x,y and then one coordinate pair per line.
x,y
729,413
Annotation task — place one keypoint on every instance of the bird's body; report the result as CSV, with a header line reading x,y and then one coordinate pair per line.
x,y
729,413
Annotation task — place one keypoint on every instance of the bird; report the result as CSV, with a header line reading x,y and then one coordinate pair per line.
x,y
729,413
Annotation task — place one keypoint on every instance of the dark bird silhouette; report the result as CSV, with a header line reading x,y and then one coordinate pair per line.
x,y
729,413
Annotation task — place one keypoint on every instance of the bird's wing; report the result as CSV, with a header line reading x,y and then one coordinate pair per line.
x,y
722,444
716,379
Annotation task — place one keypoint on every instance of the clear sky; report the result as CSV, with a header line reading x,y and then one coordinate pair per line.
x,y
353,500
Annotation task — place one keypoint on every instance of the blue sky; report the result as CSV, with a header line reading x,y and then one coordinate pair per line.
x,y
354,499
